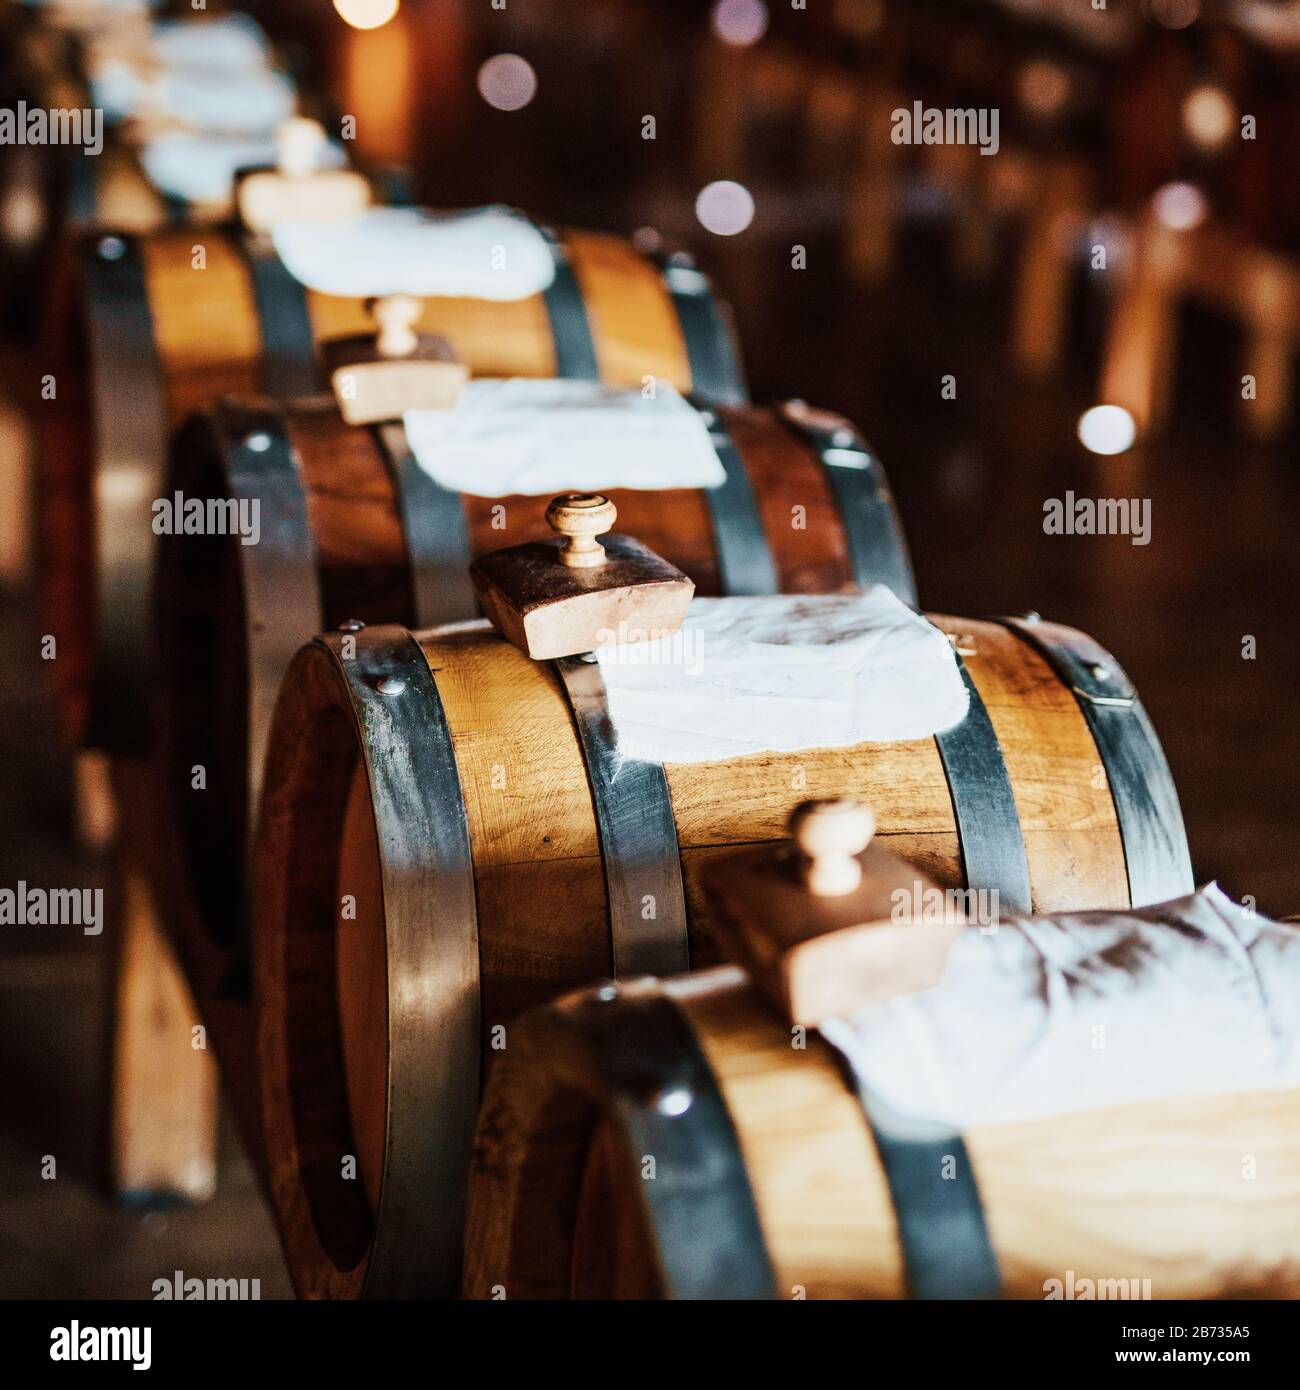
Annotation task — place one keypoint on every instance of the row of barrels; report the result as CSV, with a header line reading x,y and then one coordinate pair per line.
x,y
404,837
374,1025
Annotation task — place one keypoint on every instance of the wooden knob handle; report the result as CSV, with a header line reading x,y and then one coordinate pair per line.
x,y
580,517
831,835
395,316
299,142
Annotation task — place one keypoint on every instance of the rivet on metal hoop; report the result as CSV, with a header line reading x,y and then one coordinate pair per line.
x,y
258,442
351,625
1032,616
607,994
111,248
843,439
391,685
1099,670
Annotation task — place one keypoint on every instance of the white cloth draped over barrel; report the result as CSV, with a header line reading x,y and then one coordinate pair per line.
x,y
231,44
779,674
1044,1015
531,437
483,253
213,76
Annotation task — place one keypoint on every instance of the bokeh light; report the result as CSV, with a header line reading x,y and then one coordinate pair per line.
x,y
1180,206
366,14
1044,88
1107,429
507,82
1175,14
1209,116
740,22
725,208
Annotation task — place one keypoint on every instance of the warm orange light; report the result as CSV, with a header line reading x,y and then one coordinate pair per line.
x,y
379,89
1209,116
1044,88
366,14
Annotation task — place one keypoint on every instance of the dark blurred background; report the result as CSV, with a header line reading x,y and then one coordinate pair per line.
x,y
868,274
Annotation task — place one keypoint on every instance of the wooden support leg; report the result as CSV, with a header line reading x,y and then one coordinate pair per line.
x,y
869,218
163,1134
1269,296
1139,354
95,805
16,520
1043,279
835,114
721,110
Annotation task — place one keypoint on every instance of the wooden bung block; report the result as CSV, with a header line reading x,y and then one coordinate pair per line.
x,y
397,370
829,922
298,189
573,594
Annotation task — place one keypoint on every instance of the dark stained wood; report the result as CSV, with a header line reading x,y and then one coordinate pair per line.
x,y
549,610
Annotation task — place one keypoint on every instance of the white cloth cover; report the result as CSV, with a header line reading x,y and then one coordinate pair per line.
x,y
779,674
230,44
533,437
1077,1012
487,253
215,76
252,102
202,168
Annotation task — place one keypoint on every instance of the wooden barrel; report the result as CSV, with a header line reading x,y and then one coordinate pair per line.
x,y
767,1183
49,190
352,529
145,330
446,839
